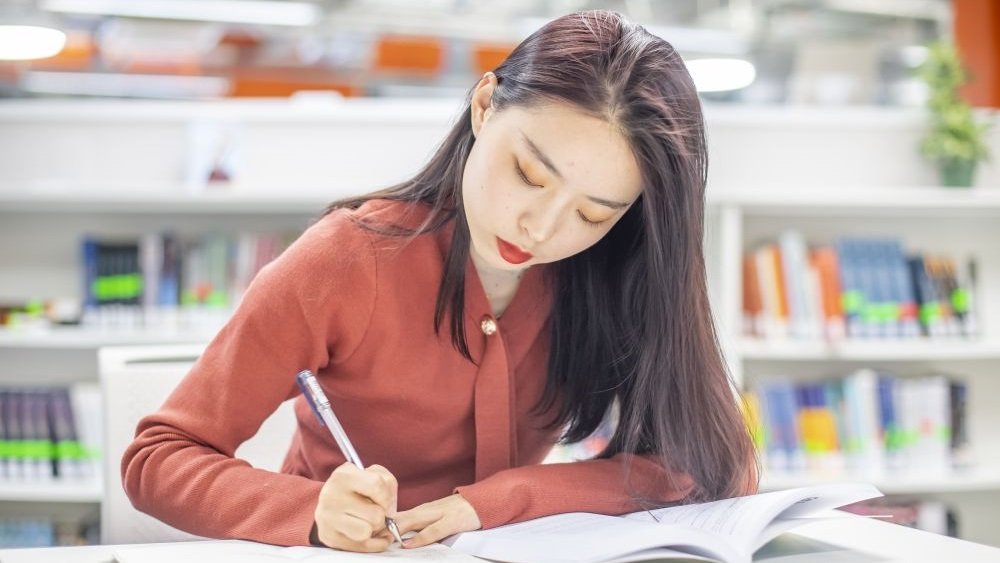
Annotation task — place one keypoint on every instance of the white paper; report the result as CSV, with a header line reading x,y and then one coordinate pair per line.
x,y
582,537
251,552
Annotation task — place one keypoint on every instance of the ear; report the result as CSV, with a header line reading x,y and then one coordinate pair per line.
x,y
482,106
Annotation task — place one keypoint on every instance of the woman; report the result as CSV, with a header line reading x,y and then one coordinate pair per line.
x,y
542,271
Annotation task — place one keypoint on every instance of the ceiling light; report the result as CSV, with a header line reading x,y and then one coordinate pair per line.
x,y
264,12
28,42
718,75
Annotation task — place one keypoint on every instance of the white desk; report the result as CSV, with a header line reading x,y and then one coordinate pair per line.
x,y
848,540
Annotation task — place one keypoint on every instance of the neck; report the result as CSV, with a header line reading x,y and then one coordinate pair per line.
x,y
499,285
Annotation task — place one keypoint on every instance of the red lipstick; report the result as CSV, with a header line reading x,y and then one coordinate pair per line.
x,y
512,253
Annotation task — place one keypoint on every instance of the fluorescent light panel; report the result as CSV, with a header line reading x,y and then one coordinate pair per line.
x,y
265,12
28,42
720,75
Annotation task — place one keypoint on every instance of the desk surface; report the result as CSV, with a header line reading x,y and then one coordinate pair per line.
x,y
853,540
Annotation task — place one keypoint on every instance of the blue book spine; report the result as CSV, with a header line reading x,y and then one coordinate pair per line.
x,y
891,299
874,304
852,297
909,325
89,250
891,434
929,309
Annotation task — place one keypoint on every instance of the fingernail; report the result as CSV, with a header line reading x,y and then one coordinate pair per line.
x,y
407,543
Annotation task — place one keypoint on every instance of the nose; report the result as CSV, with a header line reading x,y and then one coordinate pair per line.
x,y
541,221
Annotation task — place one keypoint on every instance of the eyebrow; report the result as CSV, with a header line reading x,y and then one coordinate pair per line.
x,y
616,205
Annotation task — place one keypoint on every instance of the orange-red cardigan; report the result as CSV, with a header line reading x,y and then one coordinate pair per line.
x,y
357,308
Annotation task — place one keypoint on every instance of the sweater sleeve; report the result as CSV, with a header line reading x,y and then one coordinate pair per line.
x,y
308,308
603,486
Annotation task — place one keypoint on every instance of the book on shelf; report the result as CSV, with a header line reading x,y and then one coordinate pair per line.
x,y
49,434
161,279
868,423
856,287
23,532
728,531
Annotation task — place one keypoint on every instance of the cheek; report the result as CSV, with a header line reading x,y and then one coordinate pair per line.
x,y
496,191
575,243
475,180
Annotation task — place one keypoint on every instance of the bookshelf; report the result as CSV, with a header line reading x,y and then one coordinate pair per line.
x,y
925,219
877,200
118,169
75,199
73,491
853,351
963,482
89,339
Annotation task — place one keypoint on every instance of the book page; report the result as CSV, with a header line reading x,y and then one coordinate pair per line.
x,y
725,530
582,537
251,552
781,524
742,520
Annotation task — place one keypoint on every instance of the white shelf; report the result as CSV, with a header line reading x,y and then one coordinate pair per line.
x,y
168,199
396,111
84,490
985,479
872,200
869,350
86,338
311,200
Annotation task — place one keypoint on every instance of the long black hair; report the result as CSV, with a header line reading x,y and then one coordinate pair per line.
x,y
631,325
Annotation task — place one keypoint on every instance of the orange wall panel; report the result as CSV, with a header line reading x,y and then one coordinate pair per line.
x,y
977,34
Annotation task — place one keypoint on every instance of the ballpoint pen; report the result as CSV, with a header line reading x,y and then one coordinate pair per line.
x,y
321,407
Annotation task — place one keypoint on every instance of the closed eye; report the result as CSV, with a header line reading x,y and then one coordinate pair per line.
x,y
527,182
589,221
524,178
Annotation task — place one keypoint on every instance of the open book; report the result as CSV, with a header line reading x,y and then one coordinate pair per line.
x,y
729,531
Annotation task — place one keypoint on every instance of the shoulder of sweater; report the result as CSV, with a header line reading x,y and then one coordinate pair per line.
x,y
375,213
383,223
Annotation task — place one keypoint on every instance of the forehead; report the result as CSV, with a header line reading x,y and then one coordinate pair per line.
x,y
591,154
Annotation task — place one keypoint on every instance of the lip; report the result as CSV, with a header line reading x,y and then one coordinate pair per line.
x,y
511,253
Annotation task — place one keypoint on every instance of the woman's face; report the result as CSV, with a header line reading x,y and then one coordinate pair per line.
x,y
542,184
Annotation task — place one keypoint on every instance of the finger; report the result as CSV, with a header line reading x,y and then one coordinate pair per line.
x,y
370,545
364,509
436,531
416,518
373,486
390,481
346,468
353,528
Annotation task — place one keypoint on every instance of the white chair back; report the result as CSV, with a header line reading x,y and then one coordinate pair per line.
x,y
135,381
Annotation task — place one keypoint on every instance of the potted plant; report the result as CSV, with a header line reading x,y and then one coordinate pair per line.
x,y
955,140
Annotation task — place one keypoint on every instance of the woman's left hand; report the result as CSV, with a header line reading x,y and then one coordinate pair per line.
x,y
437,520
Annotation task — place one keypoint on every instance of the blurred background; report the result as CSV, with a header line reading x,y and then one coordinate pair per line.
x,y
795,51
155,154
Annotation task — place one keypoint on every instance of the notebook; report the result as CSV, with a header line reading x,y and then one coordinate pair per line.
x,y
727,531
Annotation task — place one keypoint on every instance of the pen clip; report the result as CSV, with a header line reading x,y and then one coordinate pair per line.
x,y
302,379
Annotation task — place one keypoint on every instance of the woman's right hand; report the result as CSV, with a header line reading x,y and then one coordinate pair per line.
x,y
352,508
